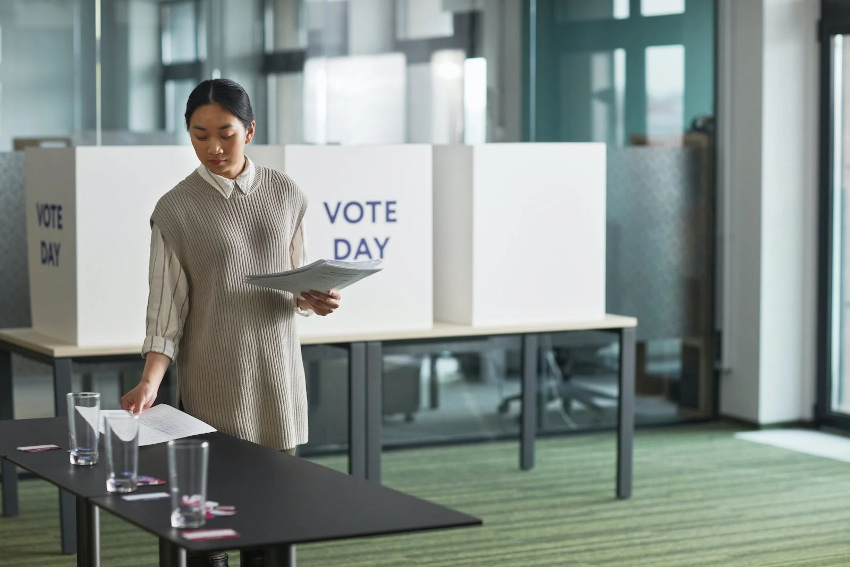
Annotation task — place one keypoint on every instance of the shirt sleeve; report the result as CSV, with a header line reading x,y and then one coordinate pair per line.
x,y
168,299
298,255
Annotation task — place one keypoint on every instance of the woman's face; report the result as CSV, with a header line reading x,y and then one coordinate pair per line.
x,y
219,139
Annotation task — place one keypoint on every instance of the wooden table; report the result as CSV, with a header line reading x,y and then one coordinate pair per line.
x,y
365,384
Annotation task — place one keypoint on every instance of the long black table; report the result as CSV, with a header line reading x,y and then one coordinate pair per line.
x,y
365,379
280,500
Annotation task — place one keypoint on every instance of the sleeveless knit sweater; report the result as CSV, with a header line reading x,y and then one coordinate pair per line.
x,y
240,367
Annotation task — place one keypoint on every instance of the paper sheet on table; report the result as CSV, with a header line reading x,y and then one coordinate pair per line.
x,y
321,275
162,423
89,414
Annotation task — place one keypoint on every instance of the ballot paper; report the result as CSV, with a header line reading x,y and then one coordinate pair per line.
x,y
321,275
162,423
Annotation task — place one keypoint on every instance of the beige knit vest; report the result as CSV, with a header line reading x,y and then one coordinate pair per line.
x,y
240,367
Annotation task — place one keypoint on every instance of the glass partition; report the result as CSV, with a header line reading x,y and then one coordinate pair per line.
x,y
835,388
393,71
45,91
450,391
317,71
638,75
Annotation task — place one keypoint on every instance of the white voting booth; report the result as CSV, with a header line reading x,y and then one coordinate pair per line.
x,y
88,236
88,211
476,235
367,203
519,233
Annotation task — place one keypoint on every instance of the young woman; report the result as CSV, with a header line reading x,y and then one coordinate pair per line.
x,y
239,364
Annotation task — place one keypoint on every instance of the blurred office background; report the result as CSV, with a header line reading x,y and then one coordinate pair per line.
x,y
638,75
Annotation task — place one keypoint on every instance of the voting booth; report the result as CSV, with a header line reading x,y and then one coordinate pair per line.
x,y
88,211
366,203
519,233
88,237
478,235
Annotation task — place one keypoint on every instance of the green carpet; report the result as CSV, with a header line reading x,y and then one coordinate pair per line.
x,y
701,497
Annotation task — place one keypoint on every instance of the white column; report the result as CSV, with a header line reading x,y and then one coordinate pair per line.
x,y
767,222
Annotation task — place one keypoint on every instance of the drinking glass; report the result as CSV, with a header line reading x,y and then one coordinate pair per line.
x,y
121,432
83,426
187,476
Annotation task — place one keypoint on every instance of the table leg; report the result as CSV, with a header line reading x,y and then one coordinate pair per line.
x,y
529,401
7,405
626,412
7,411
61,385
357,409
88,534
434,384
87,382
68,521
280,555
168,389
171,555
10,488
67,516
374,373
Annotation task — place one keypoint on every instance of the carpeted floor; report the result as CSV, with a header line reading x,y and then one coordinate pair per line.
x,y
701,497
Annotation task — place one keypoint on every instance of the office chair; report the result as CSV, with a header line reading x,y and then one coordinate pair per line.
x,y
556,368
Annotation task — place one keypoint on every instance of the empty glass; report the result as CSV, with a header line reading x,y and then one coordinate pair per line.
x,y
121,431
187,476
83,426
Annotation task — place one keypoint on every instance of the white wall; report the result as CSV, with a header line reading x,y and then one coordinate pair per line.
x,y
768,182
789,212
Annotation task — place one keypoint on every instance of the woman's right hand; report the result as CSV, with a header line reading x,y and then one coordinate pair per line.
x,y
139,398
143,396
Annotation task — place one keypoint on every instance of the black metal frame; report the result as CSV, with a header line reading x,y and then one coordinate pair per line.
x,y
835,20
369,447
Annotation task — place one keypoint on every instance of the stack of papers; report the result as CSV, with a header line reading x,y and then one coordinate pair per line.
x,y
162,423
321,275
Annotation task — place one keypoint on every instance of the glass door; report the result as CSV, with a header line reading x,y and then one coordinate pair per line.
x,y
833,397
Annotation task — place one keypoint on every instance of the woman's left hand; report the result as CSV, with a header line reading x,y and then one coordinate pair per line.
x,y
321,303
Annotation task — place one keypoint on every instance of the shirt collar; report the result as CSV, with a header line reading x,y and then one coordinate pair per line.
x,y
243,182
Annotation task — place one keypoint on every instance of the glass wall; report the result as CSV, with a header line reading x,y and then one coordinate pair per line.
x,y
637,75
41,71
839,399
833,401
317,71
392,71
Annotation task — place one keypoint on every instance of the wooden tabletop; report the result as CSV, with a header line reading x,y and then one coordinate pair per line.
x,y
55,348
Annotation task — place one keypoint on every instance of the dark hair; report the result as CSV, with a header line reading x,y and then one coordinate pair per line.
x,y
226,93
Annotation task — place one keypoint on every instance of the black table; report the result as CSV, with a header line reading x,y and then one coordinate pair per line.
x,y
76,484
63,358
364,389
280,500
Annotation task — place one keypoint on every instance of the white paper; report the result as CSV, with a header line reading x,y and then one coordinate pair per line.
x,y
162,423
89,414
321,275
146,496
201,535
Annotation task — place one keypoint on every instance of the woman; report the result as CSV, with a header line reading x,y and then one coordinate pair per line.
x,y
239,363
